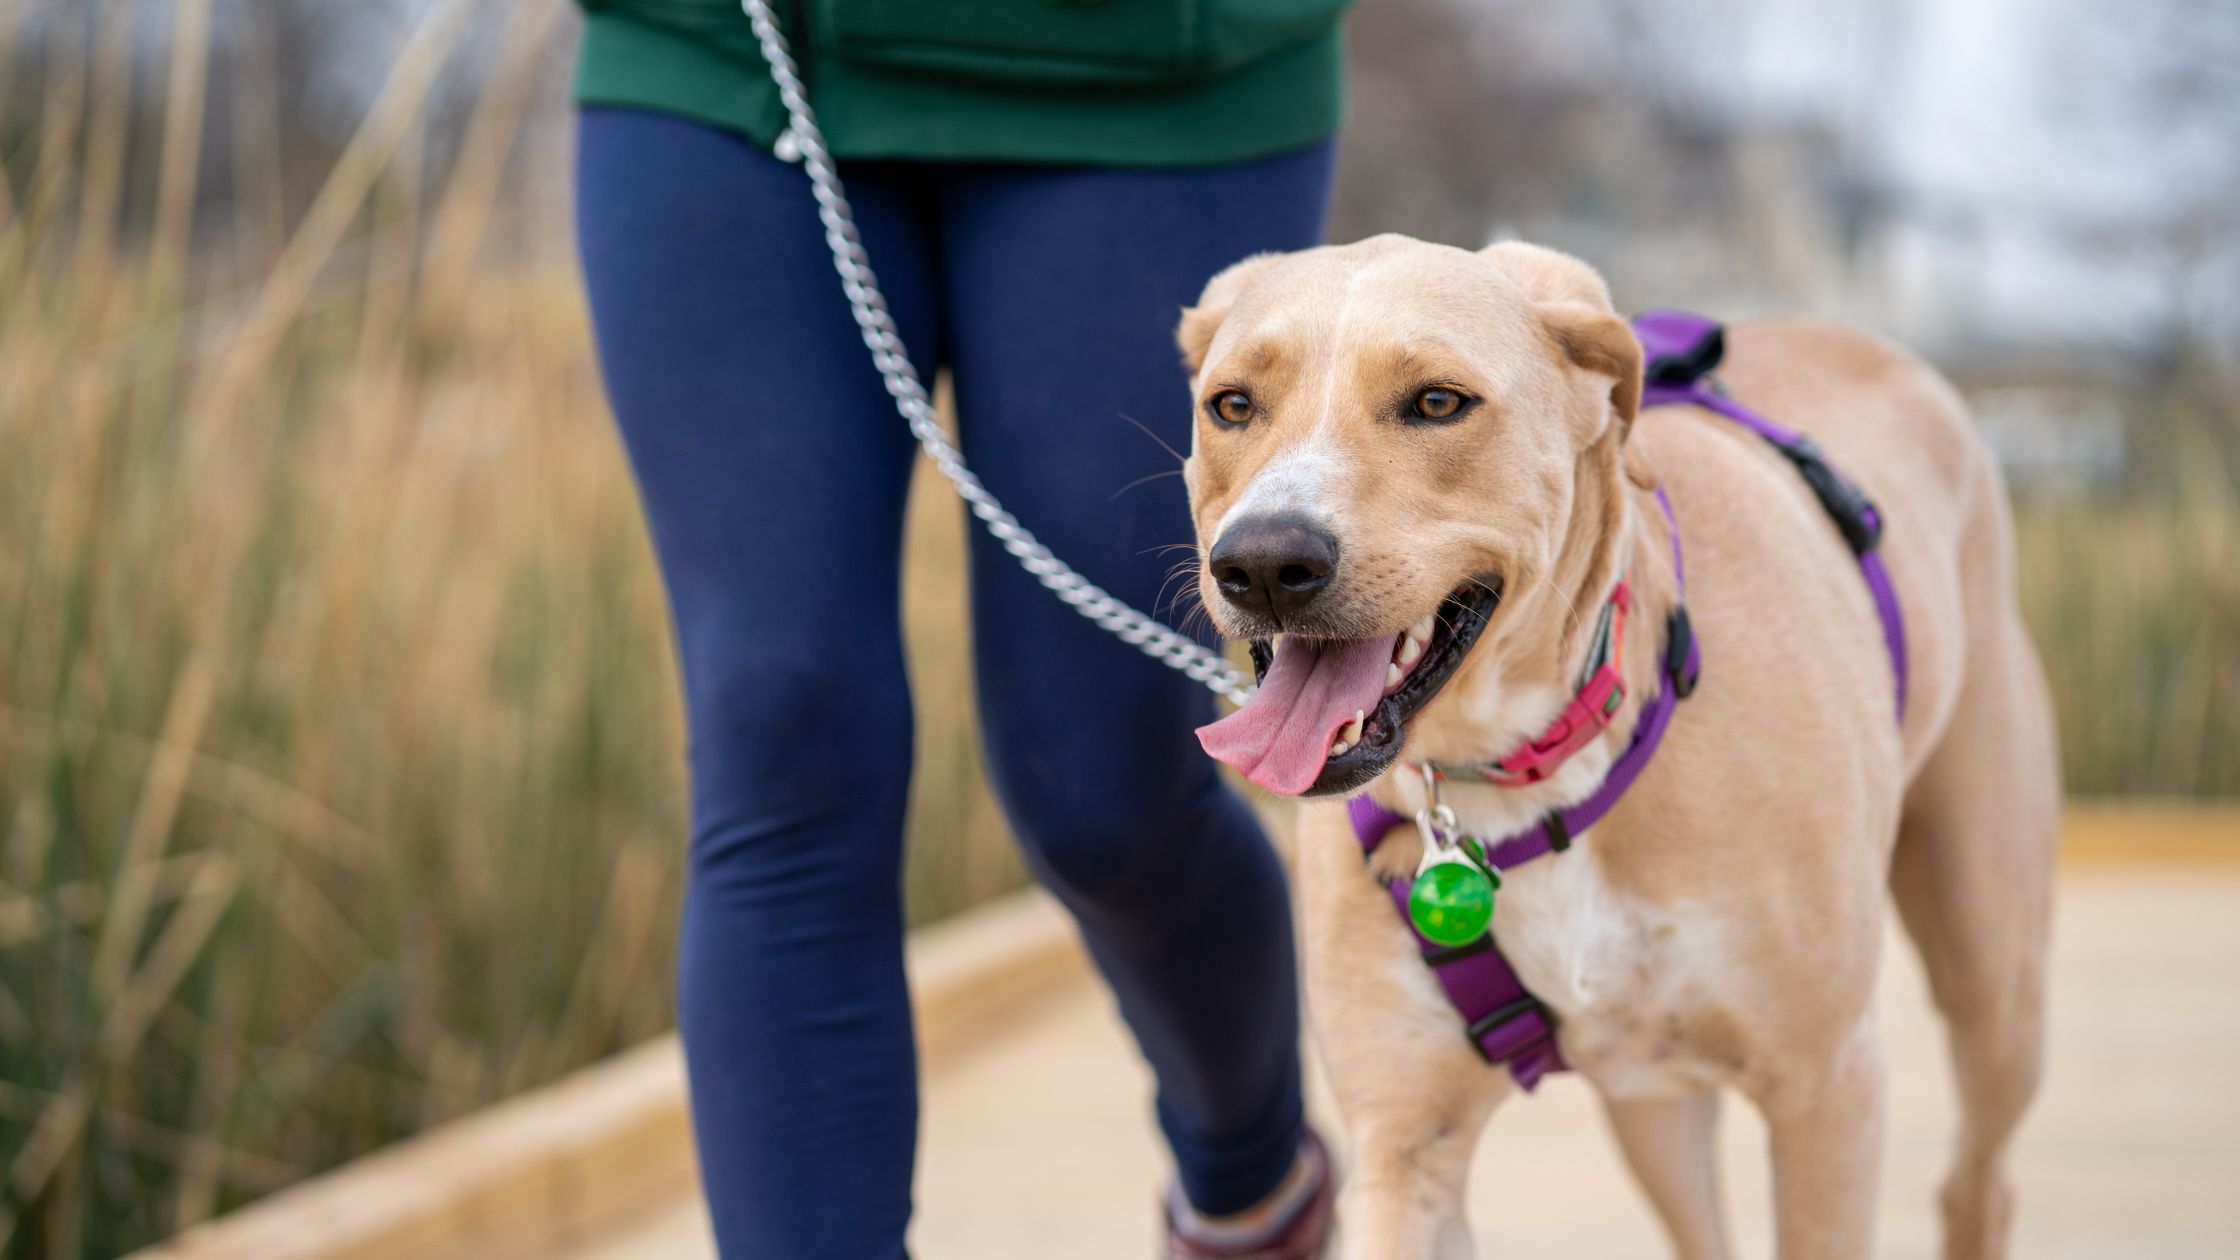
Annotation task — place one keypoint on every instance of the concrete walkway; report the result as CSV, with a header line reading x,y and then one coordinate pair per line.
x,y
1040,1143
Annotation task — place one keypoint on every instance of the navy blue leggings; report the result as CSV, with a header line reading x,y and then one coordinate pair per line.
x,y
773,470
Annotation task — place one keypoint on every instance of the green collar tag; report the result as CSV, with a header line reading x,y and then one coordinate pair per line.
x,y
1451,901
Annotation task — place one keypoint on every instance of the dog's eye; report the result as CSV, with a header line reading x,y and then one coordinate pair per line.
x,y
1230,406
1438,403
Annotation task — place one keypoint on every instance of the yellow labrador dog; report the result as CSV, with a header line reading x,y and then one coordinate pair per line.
x,y
1397,440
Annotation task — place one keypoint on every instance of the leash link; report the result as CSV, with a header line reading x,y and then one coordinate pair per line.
x,y
802,142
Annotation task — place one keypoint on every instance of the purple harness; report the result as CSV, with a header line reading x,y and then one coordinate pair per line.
x,y
1681,351
1502,1019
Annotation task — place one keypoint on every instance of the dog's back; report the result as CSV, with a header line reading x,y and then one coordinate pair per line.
x,y
1972,869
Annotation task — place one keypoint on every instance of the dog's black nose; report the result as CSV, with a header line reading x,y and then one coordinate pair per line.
x,y
1274,564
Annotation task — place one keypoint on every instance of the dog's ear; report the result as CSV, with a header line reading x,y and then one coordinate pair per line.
x,y
1601,343
1195,333
1573,302
1548,275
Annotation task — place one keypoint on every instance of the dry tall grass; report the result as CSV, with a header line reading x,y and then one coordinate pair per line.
x,y
339,770
340,778
2135,607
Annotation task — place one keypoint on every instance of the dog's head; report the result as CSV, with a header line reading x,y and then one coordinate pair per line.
x,y
1405,455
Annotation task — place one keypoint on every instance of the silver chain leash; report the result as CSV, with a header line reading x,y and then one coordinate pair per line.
x,y
803,142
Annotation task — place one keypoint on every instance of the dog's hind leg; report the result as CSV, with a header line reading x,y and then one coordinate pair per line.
x,y
1670,1145
1973,878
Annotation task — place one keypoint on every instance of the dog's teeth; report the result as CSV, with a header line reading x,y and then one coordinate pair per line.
x,y
1350,733
1411,648
1391,675
1421,631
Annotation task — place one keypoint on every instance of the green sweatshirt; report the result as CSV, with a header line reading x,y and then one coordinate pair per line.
x,y
1089,82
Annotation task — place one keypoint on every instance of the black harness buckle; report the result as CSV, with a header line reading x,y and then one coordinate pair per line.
x,y
1691,363
1559,832
1679,641
1498,1016
1853,512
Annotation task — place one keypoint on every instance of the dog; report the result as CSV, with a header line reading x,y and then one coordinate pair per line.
x,y
1397,440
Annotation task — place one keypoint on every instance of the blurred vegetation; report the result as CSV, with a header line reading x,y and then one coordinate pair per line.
x,y
340,777
2134,601
340,770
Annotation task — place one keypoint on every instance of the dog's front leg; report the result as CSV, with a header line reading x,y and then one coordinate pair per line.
x,y
1403,1196
1413,1092
1826,1123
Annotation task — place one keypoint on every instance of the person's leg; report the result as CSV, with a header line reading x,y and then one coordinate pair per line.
x,y
1061,292
773,471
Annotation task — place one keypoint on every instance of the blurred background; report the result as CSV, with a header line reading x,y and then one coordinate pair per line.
x,y
340,778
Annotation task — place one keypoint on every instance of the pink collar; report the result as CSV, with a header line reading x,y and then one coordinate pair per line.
x,y
1600,694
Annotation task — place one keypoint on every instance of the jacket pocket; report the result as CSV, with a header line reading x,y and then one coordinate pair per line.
x,y
1087,42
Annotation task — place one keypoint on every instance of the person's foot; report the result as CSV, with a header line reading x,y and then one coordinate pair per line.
x,y
1291,1224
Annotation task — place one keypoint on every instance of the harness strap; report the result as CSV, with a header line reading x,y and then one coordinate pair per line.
x,y
1682,349
1504,1021
1501,1017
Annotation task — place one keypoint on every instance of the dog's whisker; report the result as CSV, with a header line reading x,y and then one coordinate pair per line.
x,y
1192,607
1489,588
1185,570
1171,472
1179,457
1182,611
1571,608
1187,573
1198,615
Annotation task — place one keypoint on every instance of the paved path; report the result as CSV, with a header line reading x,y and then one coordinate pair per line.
x,y
1040,1144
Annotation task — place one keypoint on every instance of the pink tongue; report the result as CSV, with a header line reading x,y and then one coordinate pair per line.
x,y
1280,737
